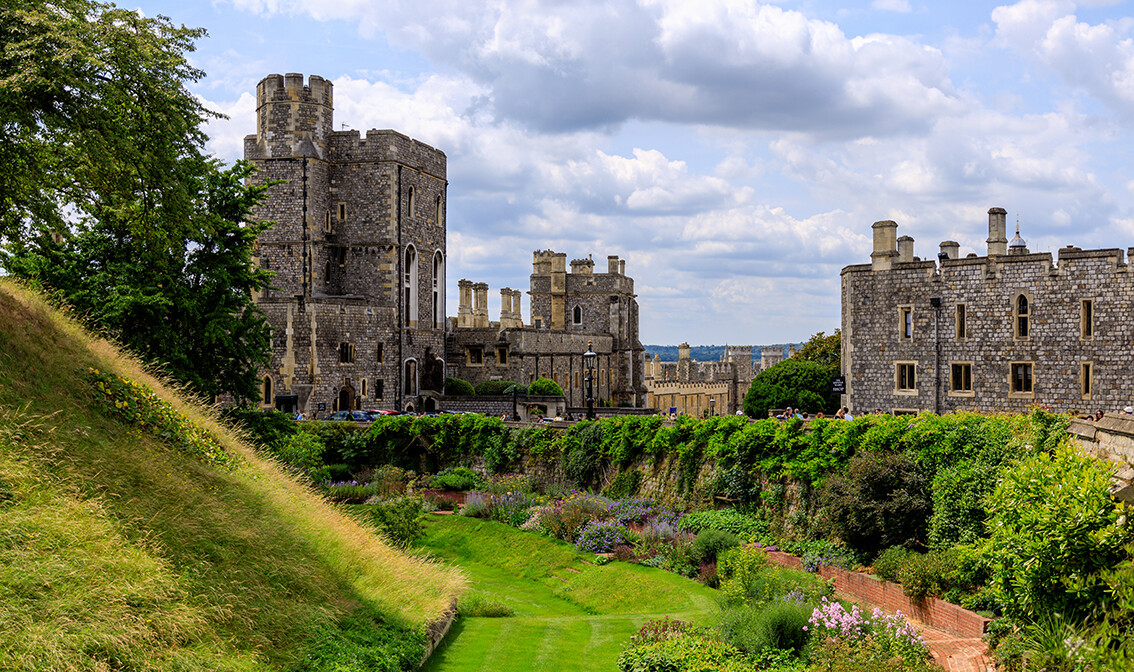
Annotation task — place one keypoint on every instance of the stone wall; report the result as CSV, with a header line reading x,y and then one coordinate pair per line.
x,y
1111,438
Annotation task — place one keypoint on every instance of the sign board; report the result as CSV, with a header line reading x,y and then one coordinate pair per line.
x,y
839,385
322,407
673,410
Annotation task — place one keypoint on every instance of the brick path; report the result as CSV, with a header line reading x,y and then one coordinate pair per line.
x,y
954,654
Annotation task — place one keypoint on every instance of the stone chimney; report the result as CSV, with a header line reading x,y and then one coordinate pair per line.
x,y
464,310
997,232
905,249
951,249
612,264
506,317
480,305
622,267
517,313
885,245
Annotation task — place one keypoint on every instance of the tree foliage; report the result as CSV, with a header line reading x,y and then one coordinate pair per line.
x,y
825,350
108,201
800,384
457,387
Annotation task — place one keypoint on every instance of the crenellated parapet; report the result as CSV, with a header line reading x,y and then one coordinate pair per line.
x,y
387,145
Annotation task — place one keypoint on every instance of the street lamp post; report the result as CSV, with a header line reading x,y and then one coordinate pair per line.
x,y
712,406
589,366
515,414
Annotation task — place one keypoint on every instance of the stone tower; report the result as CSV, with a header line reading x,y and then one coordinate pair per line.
x,y
358,249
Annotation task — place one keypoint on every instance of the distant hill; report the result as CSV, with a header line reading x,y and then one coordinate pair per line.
x,y
704,353
122,548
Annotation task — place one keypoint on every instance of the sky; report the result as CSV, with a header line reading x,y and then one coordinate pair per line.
x,y
734,153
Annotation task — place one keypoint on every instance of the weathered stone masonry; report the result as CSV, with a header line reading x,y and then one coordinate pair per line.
x,y
992,333
358,248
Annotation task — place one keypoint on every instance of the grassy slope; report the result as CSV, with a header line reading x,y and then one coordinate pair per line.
x,y
569,614
116,553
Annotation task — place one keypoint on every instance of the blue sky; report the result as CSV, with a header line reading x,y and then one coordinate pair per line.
x,y
735,153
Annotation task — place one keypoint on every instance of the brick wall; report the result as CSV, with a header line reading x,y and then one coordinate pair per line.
x,y
868,590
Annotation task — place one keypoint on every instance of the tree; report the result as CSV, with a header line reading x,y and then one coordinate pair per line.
x,y
545,387
826,350
793,382
108,201
186,306
456,387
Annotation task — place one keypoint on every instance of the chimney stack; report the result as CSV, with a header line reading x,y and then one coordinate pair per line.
x,y
997,232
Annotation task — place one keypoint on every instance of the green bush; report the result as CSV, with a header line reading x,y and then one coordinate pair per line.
x,y
399,519
926,575
747,578
479,605
881,501
684,651
455,387
725,520
890,561
303,452
493,388
779,625
268,429
363,641
710,543
455,478
1054,533
545,387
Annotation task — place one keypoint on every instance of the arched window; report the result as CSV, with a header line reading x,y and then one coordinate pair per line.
x,y
438,289
1022,315
410,371
578,315
410,284
267,401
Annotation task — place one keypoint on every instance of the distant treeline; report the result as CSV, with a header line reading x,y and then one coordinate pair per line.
x,y
701,353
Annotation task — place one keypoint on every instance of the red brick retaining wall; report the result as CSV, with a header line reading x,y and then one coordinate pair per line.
x,y
870,590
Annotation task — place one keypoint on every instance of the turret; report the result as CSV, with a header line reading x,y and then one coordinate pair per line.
x,y
293,120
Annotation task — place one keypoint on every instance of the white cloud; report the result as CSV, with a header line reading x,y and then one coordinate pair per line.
x,y
901,6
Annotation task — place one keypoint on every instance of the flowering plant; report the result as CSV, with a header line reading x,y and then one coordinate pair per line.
x,y
886,634
602,536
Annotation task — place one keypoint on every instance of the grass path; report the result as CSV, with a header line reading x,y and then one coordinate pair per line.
x,y
570,616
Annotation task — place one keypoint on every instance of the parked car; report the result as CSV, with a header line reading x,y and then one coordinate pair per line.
x,y
356,416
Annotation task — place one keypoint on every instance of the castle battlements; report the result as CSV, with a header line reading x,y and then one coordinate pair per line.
x,y
386,145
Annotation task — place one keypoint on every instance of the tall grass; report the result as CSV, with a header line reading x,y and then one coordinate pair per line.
x,y
150,558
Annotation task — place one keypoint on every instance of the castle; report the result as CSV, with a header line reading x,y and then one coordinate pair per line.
x,y
357,307
700,389
987,333
570,311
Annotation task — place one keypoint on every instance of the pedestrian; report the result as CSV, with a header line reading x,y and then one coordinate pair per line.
x,y
1098,415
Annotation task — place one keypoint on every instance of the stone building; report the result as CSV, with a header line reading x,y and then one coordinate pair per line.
x,y
689,387
569,310
989,333
357,307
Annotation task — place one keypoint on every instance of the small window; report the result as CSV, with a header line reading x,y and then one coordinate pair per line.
x,y
364,387
578,315
327,272
1022,316
905,377
961,378
1020,378
327,222
962,327
905,325
378,354
576,379
1085,370
342,212
475,355
410,377
602,377
267,398
346,353
379,386
412,201
1087,319
502,356
440,209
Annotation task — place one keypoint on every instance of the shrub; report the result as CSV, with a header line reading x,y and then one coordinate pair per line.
x,y
711,543
746,577
268,429
399,519
640,510
793,382
455,387
303,452
928,575
881,501
495,388
875,642
545,387
725,520
564,518
781,624
890,561
505,483
602,536
363,641
456,478
1054,532
680,648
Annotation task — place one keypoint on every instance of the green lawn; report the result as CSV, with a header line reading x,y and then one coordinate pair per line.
x,y
570,615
